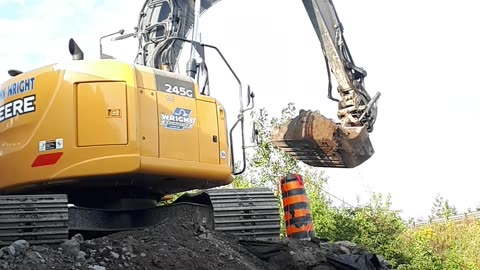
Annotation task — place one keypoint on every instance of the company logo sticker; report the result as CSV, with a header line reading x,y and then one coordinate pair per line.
x,y
179,120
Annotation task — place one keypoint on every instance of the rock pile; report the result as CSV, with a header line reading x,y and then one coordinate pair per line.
x,y
171,245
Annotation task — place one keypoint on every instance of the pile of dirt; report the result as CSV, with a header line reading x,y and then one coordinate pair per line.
x,y
174,245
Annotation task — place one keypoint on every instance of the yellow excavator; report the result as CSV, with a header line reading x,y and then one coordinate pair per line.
x,y
93,146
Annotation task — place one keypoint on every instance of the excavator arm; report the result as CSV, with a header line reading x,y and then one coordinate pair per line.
x,y
315,139
356,108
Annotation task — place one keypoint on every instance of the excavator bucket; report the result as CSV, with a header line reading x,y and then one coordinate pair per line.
x,y
320,142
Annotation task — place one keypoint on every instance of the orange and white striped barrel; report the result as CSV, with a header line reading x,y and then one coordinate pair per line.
x,y
298,219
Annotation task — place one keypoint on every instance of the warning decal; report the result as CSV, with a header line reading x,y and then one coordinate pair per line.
x,y
50,145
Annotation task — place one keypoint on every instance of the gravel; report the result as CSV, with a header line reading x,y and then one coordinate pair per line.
x,y
174,245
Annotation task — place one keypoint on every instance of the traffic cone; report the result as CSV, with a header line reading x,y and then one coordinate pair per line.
x,y
296,207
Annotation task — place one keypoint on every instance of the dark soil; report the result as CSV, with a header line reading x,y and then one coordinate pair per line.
x,y
172,245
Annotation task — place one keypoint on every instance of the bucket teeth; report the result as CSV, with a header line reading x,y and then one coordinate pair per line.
x,y
320,142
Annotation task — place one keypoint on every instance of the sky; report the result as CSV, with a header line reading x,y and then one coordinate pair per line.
x,y
421,56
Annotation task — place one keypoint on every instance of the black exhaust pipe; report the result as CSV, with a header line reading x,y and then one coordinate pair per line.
x,y
14,72
75,51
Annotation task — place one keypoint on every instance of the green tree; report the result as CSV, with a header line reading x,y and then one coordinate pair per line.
x,y
267,164
442,208
380,228
320,205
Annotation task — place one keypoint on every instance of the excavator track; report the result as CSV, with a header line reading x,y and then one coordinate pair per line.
x,y
246,213
48,219
39,219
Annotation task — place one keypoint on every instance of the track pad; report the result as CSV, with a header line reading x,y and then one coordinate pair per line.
x,y
320,142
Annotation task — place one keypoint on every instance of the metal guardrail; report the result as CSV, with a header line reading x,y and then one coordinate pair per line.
x,y
455,218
